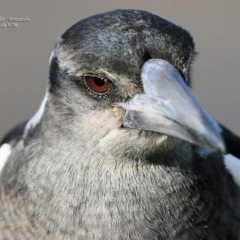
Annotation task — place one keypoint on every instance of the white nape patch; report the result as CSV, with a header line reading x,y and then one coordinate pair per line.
x,y
51,56
5,151
233,166
32,123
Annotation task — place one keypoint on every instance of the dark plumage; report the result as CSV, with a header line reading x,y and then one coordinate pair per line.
x,y
14,134
232,141
76,171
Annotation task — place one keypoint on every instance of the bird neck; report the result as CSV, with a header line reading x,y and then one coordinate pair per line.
x,y
92,192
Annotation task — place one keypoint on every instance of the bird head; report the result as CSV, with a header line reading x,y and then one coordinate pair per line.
x,y
123,78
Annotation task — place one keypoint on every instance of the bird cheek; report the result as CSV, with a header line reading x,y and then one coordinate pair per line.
x,y
101,122
112,119
117,114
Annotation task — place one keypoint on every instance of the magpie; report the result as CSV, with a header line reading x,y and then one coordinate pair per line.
x,y
120,148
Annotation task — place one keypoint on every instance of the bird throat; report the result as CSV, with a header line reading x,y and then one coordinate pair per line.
x,y
134,198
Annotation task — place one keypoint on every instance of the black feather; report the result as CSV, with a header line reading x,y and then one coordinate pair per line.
x,y
232,141
14,134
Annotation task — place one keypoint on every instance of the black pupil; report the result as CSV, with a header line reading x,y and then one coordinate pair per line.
x,y
99,82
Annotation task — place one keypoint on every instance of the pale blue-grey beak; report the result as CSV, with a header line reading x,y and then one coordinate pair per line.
x,y
168,106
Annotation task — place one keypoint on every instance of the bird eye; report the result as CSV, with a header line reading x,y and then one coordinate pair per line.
x,y
97,85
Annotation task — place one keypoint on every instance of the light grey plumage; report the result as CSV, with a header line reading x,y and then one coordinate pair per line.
x,y
78,174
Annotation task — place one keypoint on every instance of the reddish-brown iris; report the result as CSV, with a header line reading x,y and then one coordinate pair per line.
x,y
97,85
